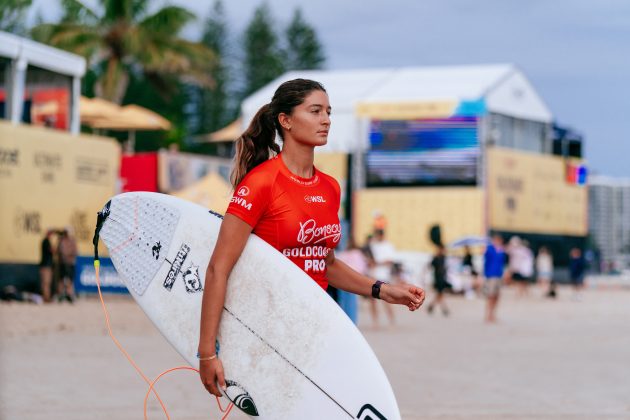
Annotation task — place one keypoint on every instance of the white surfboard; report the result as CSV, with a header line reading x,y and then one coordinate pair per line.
x,y
289,352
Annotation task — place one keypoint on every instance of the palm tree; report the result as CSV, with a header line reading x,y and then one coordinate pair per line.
x,y
124,38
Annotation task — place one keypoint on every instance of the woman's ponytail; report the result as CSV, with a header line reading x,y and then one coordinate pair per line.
x,y
255,145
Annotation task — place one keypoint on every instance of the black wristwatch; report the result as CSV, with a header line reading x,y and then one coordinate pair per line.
x,y
376,289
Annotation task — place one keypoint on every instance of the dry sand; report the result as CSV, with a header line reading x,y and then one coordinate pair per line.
x,y
561,359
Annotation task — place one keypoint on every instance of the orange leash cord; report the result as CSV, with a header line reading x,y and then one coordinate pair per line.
x,y
151,384
225,411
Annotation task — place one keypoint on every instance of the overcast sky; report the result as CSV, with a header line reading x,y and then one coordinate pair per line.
x,y
575,52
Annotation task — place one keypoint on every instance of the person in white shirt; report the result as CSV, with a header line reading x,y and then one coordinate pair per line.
x,y
383,254
521,264
544,270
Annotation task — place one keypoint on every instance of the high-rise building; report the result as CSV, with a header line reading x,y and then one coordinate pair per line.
x,y
609,220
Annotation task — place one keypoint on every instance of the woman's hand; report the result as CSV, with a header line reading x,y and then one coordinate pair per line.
x,y
211,373
403,294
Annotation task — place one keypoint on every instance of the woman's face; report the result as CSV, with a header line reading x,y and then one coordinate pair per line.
x,y
310,121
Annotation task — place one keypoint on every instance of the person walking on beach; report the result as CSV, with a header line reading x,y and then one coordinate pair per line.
x,y
494,261
544,272
46,266
520,264
577,267
354,257
469,268
383,254
67,250
276,183
440,282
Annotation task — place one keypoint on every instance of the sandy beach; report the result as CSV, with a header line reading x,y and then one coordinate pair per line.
x,y
563,359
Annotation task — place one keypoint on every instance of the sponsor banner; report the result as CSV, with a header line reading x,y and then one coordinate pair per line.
x,y
409,213
51,180
406,110
177,171
85,276
436,151
531,193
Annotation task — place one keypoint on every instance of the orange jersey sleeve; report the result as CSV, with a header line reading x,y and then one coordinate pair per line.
x,y
297,216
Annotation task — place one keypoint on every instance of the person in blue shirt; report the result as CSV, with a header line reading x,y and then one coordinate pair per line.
x,y
494,262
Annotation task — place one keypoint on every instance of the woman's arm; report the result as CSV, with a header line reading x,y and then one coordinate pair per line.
x,y
230,244
341,276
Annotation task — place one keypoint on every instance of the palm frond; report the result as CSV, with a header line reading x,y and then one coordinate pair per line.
x,y
76,12
118,10
75,38
42,32
84,40
168,20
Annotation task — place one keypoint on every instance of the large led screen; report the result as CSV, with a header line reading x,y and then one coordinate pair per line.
x,y
441,151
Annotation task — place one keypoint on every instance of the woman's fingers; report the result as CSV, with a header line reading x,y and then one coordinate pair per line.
x,y
211,372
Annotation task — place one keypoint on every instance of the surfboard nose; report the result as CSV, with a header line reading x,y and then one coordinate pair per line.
x,y
138,232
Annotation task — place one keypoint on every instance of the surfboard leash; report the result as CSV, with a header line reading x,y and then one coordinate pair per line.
x,y
101,217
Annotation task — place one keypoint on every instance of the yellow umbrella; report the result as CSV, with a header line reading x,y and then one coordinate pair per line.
x,y
211,191
91,109
101,114
230,132
132,117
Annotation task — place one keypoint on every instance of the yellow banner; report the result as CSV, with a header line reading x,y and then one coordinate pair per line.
x,y
50,179
406,110
335,165
410,212
529,193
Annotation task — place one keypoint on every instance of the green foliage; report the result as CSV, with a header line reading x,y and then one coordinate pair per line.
x,y
214,107
124,36
142,92
263,57
135,56
304,52
13,15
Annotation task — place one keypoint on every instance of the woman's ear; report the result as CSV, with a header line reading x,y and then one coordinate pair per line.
x,y
285,121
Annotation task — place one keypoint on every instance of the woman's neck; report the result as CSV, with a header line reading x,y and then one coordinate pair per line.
x,y
299,159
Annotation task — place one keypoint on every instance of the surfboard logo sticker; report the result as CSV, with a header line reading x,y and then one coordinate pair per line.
x,y
155,251
368,412
176,266
192,280
241,398
214,213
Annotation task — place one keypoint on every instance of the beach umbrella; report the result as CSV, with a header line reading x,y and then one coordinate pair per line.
x,y
229,133
469,241
211,191
130,118
91,109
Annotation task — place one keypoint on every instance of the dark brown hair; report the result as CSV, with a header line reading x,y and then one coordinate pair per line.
x,y
259,140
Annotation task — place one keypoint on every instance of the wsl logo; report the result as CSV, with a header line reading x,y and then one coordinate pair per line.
x,y
240,398
243,191
314,199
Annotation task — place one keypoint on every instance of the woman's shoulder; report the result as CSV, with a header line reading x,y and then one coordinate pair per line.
x,y
263,174
329,180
